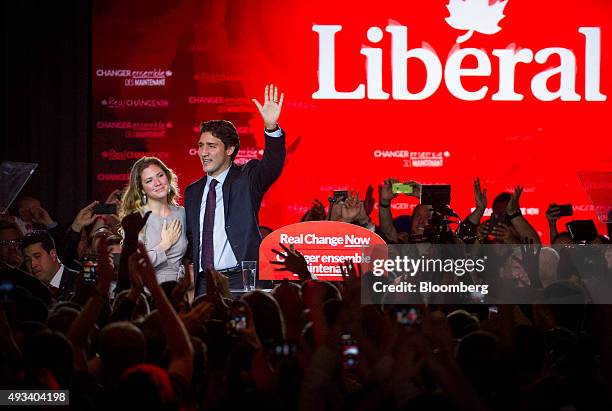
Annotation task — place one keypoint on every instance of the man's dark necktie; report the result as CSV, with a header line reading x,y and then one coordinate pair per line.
x,y
208,252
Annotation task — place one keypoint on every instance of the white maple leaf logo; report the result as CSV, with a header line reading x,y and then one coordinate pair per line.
x,y
475,15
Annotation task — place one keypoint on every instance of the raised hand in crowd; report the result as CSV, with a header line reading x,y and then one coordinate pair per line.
x,y
170,234
179,293
124,308
351,283
385,191
513,205
315,213
132,224
195,319
351,207
288,296
368,201
530,260
177,338
41,216
480,195
74,242
113,198
503,234
313,295
84,217
520,224
217,287
365,209
140,266
385,218
480,199
247,334
293,261
386,195
84,324
552,215
136,284
272,106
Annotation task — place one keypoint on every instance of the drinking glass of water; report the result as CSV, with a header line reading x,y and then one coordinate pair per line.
x,y
249,272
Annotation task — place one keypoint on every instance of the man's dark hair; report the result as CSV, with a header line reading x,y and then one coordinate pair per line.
x,y
224,131
34,237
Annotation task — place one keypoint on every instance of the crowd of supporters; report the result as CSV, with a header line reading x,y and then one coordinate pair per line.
x,y
116,338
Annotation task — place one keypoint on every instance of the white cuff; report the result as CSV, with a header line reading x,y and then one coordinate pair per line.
x,y
275,133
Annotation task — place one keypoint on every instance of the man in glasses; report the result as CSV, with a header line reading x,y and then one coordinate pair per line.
x,y
10,239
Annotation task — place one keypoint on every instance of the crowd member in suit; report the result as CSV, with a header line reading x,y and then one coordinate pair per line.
x,y
153,188
222,222
41,261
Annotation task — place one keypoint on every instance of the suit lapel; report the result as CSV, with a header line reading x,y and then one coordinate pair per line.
x,y
67,279
232,175
195,208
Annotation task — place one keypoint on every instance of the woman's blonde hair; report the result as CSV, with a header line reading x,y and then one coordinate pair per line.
x,y
132,199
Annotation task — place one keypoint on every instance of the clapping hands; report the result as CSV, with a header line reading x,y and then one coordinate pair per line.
x,y
480,195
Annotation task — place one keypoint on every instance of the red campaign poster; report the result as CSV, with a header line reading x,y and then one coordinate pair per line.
x,y
512,91
325,245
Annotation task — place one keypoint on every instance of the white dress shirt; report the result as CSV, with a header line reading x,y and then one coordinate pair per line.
x,y
223,254
57,278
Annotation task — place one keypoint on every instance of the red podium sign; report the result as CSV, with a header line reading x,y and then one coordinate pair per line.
x,y
324,244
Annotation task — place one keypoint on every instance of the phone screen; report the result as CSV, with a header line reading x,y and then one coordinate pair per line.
x,y
285,350
350,351
239,322
399,188
6,292
340,195
90,270
406,315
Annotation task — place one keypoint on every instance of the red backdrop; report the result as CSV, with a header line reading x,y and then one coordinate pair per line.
x,y
161,67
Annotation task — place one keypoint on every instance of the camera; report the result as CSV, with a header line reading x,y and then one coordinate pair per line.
x,y
105,209
582,231
438,197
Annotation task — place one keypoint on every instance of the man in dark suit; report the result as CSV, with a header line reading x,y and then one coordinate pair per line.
x,y
222,222
41,261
